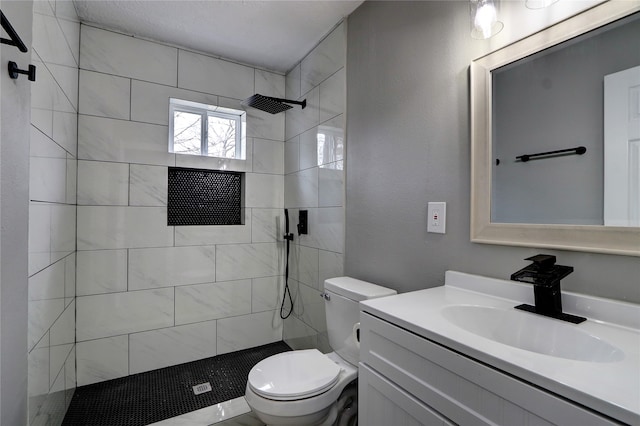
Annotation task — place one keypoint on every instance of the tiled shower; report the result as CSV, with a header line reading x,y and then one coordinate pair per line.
x,y
114,291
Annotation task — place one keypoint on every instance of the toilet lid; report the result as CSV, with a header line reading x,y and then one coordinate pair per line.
x,y
294,375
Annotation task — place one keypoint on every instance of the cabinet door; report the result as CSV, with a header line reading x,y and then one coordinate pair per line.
x,y
381,403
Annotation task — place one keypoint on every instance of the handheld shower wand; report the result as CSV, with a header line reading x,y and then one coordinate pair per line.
x,y
288,238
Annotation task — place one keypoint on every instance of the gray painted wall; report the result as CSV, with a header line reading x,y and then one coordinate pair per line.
x,y
14,212
543,104
409,143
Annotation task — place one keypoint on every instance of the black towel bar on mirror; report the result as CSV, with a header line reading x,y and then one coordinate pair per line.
x,y
15,39
549,154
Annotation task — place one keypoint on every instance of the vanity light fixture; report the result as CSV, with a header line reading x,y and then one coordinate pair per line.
x,y
484,19
539,4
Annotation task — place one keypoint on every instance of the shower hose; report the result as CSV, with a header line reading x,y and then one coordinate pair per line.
x,y
288,237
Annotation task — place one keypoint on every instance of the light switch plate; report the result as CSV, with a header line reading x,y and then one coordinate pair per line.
x,y
436,217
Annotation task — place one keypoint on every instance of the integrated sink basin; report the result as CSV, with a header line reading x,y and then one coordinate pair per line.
x,y
532,333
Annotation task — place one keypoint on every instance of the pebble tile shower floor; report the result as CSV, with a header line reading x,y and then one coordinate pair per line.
x,y
149,397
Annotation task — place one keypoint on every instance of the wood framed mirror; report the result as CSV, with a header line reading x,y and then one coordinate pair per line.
x,y
590,232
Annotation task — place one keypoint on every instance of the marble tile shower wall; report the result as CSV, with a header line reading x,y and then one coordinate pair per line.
x,y
151,295
314,181
52,211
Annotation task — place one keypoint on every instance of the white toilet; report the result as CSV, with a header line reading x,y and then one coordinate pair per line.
x,y
304,387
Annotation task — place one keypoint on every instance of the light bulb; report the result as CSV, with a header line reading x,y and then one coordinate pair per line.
x,y
484,19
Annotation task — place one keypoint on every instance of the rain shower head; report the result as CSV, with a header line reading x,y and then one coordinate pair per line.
x,y
271,105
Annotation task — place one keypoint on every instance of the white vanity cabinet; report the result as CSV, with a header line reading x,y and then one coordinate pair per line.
x,y
406,379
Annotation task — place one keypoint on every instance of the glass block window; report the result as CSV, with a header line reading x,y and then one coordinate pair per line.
x,y
204,197
207,130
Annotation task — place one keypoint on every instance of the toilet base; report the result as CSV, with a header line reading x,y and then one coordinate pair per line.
x,y
326,417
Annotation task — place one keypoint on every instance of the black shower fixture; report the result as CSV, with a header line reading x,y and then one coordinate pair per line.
x,y
271,105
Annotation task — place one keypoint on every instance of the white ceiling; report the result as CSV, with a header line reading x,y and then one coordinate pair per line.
x,y
269,34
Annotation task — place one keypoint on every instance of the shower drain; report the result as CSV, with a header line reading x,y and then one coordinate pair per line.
x,y
202,388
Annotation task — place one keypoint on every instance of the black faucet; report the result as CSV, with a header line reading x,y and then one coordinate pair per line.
x,y
545,276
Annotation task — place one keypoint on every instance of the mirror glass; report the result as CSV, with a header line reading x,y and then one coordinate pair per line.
x,y
580,97
572,86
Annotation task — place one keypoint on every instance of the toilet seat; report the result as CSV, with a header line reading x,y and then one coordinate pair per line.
x,y
294,375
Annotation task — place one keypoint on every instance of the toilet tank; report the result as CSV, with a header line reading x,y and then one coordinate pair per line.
x,y
343,312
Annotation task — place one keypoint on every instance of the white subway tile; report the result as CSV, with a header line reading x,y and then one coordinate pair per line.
x,y
101,271
106,139
332,95
265,125
102,359
123,227
326,229
171,266
266,293
63,230
309,149
215,76
70,373
306,270
203,302
292,83
57,356
292,155
324,60
155,349
46,94
267,225
42,315
48,179
150,101
104,95
118,54
269,84
42,145
299,335
239,261
39,236
67,79
148,185
263,190
330,265
311,308
70,276
49,41
48,283
42,119
248,331
300,120
105,315
102,183
268,156
301,188
65,130
331,185
63,330
72,180
70,27
331,141
38,372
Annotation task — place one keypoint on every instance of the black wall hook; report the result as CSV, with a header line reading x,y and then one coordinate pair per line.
x,y
14,71
15,39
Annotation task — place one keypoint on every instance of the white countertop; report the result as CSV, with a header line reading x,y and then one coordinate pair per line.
x,y
611,388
